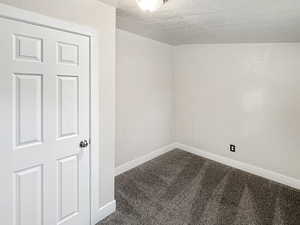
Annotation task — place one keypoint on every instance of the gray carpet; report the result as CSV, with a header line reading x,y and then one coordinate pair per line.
x,y
179,188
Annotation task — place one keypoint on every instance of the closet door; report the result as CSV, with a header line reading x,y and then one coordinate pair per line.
x,y
44,95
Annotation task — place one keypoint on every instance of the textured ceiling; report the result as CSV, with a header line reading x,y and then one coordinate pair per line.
x,y
213,21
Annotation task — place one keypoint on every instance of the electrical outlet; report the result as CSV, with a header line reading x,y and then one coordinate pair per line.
x,y
232,148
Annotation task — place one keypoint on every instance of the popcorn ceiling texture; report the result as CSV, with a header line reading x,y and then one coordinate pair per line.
x,y
213,21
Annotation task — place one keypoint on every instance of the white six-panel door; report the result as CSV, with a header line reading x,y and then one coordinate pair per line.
x,y
44,93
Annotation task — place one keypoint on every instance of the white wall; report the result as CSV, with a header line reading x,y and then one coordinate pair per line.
x,y
243,94
101,17
144,96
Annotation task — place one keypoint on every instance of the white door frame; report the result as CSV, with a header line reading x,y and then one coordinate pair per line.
x,y
24,16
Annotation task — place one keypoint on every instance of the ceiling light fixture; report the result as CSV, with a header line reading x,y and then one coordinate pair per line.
x,y
150,5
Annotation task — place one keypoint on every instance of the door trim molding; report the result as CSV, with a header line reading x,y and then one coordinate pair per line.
x,y
24,16
105,211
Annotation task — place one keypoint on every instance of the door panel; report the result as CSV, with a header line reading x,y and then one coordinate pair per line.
x,y
44,115
28,196
28,107
68,187
68,53
27,48
67,106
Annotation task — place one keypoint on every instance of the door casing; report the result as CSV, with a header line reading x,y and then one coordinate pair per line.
x,y
28,17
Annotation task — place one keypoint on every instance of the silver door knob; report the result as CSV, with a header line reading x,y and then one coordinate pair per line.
x,y
83,144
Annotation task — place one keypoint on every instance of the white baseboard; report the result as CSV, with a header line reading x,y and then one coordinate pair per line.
x,y
104,211
268,174
136,162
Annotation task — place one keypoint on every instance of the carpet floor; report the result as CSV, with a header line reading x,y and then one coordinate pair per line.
x,y
179,188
